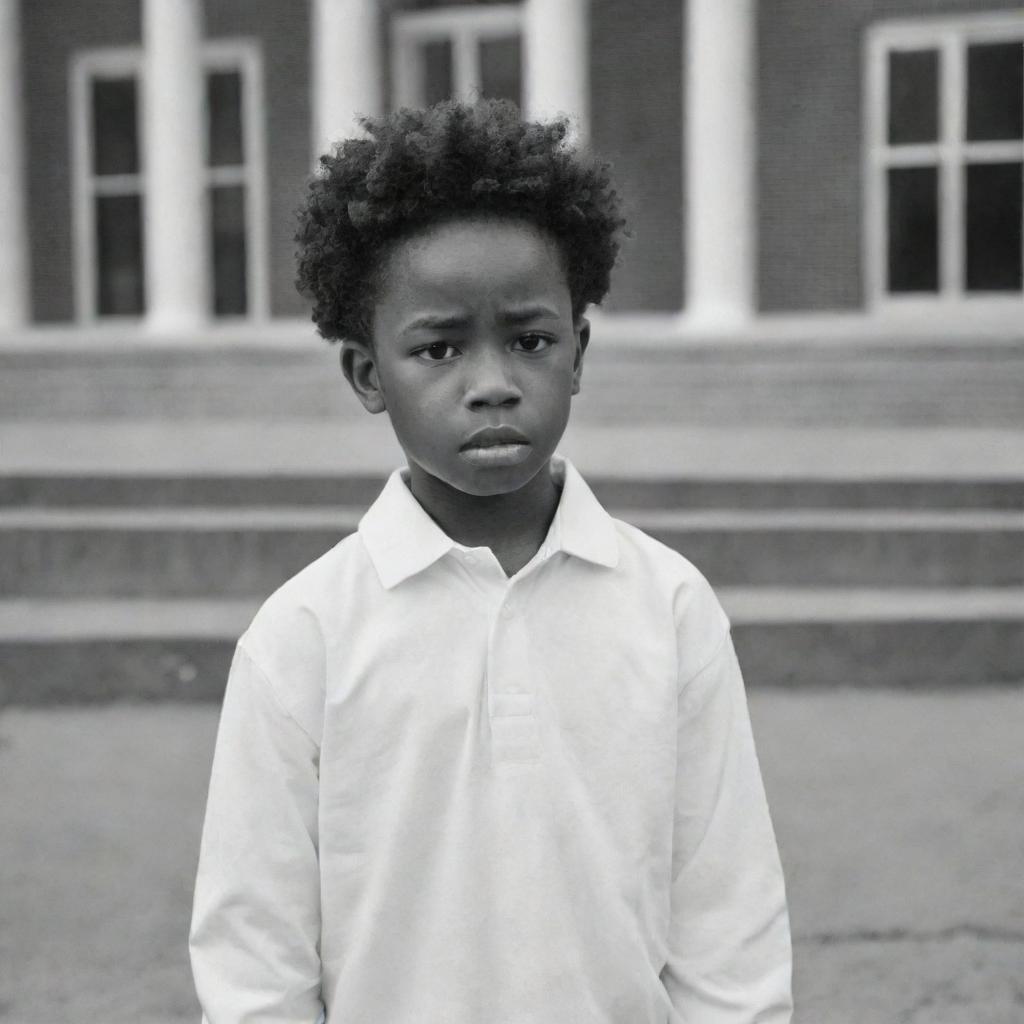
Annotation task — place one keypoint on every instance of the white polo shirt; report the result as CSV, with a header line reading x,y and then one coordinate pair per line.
x,y
440,794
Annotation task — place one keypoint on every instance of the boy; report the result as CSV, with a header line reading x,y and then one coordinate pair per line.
x,y
488,760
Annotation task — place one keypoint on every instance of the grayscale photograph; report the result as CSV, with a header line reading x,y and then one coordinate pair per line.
x,y
511,512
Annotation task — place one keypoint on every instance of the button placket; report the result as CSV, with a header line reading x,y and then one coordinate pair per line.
x,y
515,736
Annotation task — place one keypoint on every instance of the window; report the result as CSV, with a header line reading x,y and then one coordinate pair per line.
x,y
235,187
110,187
457,53
945,159
110,184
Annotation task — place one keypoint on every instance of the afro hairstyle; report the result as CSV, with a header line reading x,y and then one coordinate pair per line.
x,y
416,168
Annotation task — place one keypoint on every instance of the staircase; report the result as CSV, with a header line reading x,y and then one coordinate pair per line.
x,y
138,586
135,549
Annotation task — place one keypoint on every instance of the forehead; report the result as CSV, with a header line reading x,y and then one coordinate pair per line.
x,y
466,262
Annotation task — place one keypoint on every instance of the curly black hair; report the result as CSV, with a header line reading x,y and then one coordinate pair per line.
x,y
417,168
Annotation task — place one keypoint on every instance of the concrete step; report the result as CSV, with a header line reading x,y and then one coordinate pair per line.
x,y
247,552
970,382
40,490
88,650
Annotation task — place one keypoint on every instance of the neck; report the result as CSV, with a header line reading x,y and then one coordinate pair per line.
x,y
512,525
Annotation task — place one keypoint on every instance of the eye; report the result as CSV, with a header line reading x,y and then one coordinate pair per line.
x,y
437,352
533,343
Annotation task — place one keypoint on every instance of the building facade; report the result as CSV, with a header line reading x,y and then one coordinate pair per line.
x,y
859,161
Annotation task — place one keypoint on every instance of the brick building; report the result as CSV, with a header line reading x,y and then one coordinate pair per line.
x,y
861,159
809,375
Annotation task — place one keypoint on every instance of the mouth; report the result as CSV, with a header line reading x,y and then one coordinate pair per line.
x,y
494,437
494,447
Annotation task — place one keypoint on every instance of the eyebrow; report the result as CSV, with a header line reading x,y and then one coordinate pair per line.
x,y
523,316
435,323
511,316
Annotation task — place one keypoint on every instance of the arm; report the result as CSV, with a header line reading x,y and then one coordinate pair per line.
x,y
729,956
255,934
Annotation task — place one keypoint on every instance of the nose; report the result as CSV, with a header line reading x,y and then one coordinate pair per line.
x,y
490,381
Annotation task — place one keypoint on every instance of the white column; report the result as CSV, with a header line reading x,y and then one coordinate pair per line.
x,y
346,69
557,56
13,235
719,203
177,276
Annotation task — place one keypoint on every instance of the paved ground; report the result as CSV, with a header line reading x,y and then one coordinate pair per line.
x,y
900,818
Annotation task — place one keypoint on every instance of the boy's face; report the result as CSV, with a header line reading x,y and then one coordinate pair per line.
x,y
475,354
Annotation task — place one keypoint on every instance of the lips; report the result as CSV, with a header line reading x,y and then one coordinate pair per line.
x,y
493,437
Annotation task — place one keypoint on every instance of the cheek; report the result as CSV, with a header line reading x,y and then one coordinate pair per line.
x,y
553,383
414,400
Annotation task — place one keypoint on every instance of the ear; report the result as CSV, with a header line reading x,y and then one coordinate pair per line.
x,y
360,369
581,330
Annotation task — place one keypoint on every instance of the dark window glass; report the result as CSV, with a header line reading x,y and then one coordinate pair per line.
x,y
500,69
114,126
227,216
995,91
994,223
224,104
913,96
913,229
119,277
437,71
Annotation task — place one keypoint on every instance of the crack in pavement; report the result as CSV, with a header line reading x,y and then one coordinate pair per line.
x,y
973,931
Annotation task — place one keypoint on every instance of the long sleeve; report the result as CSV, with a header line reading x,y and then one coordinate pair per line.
x,y
729,957
255,935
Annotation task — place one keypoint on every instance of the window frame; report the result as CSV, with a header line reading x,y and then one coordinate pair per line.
x,y
245,57
465,27
949,154
120,62
242,55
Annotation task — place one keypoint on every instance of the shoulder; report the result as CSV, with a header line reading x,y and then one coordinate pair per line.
x,y
288,636
307,596
701,623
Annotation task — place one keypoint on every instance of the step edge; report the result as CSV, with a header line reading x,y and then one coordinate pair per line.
x,y
193,518
38,620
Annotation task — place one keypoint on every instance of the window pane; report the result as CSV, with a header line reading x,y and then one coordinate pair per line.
x,y
119,274
500,69
437,71
114,132
913,96
913,229
224,106
995,91
994,222
227,216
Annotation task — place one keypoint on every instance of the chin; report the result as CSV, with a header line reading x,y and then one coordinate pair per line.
x,y
486,482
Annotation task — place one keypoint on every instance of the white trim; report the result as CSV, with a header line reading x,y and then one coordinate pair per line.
x,y
243,55
465,27
983,25
909,325
130,334
950,36
485,22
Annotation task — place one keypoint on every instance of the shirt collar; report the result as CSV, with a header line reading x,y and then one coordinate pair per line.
x,y
402,540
